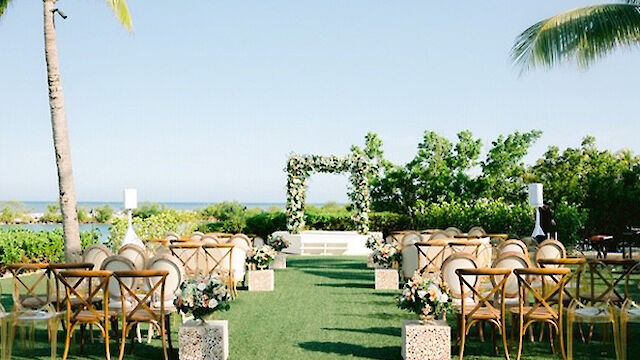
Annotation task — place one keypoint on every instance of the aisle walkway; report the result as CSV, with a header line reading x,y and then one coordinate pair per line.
x,y
323,308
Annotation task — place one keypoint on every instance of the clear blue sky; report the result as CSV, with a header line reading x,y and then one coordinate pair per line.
x,y
207,98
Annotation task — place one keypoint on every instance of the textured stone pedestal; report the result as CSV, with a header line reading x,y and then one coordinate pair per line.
x,y
370,263
261,280
431,341
204,341
280,262
387,279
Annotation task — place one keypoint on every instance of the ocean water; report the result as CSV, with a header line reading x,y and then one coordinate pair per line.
x,y
41,206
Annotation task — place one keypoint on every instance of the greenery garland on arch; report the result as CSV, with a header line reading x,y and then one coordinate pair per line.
x,y
300,167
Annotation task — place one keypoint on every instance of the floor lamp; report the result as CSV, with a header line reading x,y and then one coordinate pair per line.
x,y
131,203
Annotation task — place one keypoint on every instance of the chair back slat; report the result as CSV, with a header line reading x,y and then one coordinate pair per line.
x,y
27,291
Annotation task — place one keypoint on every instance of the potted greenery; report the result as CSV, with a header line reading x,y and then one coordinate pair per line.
x,y
278,243
386,257
261,278
200,337
430,299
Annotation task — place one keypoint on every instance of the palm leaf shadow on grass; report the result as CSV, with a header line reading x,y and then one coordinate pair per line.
x,y
358,351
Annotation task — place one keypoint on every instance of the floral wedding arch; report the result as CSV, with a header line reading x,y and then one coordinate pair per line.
x,y
300,167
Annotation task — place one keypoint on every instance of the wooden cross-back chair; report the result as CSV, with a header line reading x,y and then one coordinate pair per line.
x,y
189,255
542,309
219,260
433,253
482,308
141,311
61,297
86,286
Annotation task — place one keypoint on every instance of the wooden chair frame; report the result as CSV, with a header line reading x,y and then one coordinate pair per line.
x,y
218,263
86,312
483,309
629,265
548,314
129,318
185,260
430,261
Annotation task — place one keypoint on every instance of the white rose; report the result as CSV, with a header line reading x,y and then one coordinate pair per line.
x,y
213,303
422,294
202,286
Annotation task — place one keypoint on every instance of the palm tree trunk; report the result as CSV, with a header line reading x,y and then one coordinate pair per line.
x,y
68,206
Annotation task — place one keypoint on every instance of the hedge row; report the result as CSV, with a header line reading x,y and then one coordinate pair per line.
x,y
26,245
494,216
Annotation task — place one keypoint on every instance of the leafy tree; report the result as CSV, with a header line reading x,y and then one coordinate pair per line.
x,y
68,203
503,170
148,209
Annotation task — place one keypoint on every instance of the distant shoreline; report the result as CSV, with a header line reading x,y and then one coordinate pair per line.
x,y
39,207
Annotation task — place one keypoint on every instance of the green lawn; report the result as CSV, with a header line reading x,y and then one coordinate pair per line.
x,y
322,308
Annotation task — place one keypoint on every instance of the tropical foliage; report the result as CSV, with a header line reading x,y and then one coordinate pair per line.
x,y
25,245
584,35
277,242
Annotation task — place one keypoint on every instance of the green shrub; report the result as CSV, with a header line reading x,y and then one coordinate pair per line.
x,y
83,215
103,214
387,222
147,209
570,222
495,216
266,222
154,226
25,245
228,216
52,214
14,211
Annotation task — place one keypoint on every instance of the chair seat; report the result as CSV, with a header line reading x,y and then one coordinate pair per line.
x,y
35,315
613,297
540,313
592,314
143,315
635,313
484,313
456,303
86,316
34,302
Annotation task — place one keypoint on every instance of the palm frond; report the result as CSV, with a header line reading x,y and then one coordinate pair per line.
x,y
585,34
121,11
3,6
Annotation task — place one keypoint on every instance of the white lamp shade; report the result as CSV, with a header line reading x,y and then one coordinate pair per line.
x,y
535,195
130,199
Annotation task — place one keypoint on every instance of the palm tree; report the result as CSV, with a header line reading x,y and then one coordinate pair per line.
x,y
584,35
68,203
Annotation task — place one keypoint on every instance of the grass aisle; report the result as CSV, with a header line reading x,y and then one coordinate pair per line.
x,y
322,308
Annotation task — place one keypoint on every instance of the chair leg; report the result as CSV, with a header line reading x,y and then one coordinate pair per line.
x,y
569,339
463,335
616,340
82,327
504,340
67,341
168,319
551,342
623,338
493,338
563,351
520,335
123,340
52,327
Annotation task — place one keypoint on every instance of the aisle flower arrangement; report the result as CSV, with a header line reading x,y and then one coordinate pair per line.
x,y
262,256
277,242
386,255
202,297
372,242
427,297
